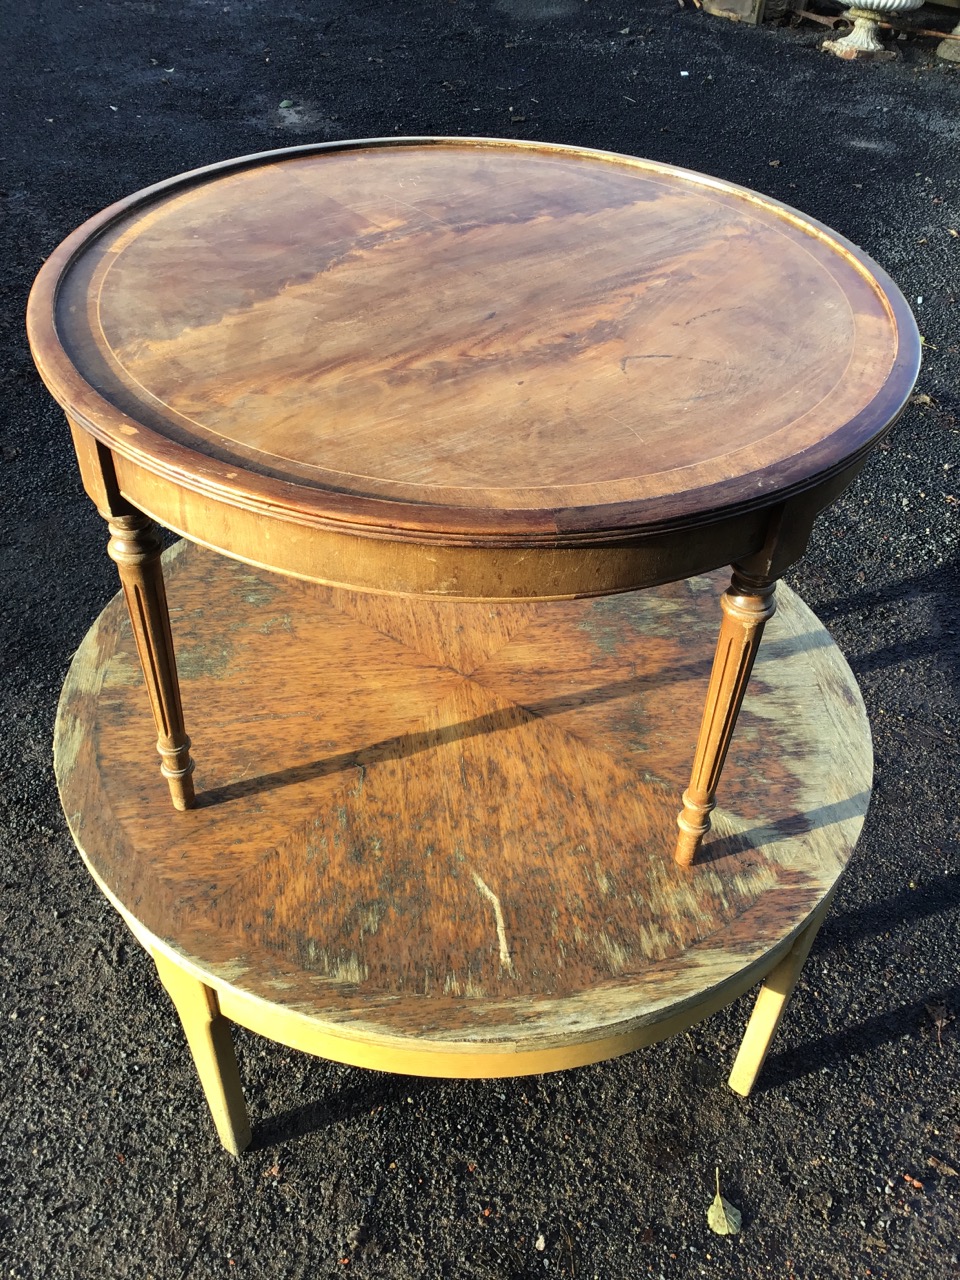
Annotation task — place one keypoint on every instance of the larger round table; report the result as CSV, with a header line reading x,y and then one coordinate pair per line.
x,y
464,370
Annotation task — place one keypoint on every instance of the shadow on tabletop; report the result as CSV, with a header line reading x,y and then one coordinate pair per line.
x,y
408,744
403,745
792,824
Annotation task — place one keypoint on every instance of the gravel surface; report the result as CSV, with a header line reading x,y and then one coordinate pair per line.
x,y
843,1162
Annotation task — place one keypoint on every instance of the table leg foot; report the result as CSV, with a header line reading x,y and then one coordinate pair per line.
x,y
747,605
769,1009
135,548
211,1043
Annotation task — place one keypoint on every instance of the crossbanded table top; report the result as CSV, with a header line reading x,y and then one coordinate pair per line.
x,y
473,335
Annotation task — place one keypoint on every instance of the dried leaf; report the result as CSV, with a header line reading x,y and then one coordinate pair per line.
x,y
939,1016
722,1216
941,1166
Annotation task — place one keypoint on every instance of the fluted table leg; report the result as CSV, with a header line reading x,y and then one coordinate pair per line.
x,y
747,604
135,548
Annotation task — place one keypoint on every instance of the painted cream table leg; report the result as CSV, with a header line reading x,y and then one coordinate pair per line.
x,y
211,1043
747,605
771,1003
135,548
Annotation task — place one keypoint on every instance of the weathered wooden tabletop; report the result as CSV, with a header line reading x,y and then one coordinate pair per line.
x,y
443,829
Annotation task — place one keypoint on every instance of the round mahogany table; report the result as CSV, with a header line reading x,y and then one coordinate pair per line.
x,y
465,370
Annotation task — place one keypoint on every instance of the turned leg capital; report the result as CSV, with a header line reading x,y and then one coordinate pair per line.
x,y
749,599
134,539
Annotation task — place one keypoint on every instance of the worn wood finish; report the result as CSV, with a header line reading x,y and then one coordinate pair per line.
x,y
435,837
470,343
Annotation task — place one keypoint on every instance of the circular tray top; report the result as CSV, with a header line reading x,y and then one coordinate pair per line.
x,y
449,828
473,337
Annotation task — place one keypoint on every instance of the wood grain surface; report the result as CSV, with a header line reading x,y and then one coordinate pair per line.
x,y
452,825
472,338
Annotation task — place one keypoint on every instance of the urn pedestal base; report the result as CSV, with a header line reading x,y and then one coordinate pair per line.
x,y
862,41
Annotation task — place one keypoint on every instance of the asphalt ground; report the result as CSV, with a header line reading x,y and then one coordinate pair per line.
x,y
843,1161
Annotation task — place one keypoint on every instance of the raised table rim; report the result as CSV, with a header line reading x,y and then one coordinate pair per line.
x,y
149,454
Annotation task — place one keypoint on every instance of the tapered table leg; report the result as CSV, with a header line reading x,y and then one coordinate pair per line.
x,y
135,548
747,604
211,1043
771,1003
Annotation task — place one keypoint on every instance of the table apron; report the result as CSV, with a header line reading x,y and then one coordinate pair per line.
x,y
397,566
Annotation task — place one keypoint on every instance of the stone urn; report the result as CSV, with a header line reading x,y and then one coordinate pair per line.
x,y
863,41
